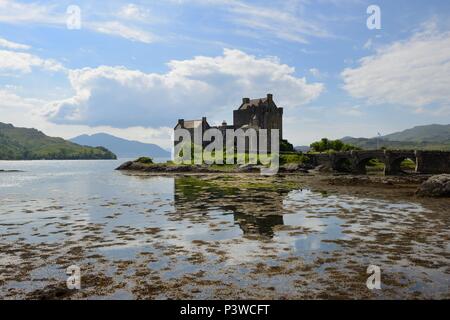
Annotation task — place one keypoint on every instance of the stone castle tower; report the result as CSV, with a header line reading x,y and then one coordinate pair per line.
x,y
259,114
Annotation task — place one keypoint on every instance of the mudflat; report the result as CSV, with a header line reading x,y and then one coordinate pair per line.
x,y
240,236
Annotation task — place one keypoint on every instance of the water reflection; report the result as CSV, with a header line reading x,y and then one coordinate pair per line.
x,y
246,234
256,211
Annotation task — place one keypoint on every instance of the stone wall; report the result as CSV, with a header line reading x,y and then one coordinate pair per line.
x,y
263,117
433,162
319,159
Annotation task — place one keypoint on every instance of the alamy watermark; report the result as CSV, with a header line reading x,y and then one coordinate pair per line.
x,y
374,20
74,280
230,146
374,280
73,21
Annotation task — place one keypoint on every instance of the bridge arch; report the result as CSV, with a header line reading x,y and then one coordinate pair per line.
x,y
362,162
395,160
343,164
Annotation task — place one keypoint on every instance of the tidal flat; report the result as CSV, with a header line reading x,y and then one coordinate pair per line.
x,y
218,236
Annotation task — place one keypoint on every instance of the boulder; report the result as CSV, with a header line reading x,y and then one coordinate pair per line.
x,y
436,186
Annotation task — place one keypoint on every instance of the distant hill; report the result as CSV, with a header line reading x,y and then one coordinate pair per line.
x,y
31,144
302,148
122,147
430,137
432,133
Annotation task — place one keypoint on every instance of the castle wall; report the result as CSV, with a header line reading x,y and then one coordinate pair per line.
x,y
242,117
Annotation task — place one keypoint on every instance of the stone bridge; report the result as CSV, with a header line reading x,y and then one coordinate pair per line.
x,y
427,162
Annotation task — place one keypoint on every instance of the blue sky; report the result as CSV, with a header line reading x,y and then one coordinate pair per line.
x,y
134,68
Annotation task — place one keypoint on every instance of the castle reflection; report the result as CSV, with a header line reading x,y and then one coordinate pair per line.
x,y
257,211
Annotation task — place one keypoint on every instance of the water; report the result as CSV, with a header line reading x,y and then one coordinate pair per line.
x,y
214,236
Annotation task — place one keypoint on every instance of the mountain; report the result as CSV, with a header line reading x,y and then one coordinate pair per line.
x,y
302,148
431,133
31,144
429,137
122,147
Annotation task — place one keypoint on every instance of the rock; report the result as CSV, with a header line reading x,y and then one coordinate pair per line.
x,y
178,168
249,168
293,168
436,186
323,168
137,166
290,167
125,166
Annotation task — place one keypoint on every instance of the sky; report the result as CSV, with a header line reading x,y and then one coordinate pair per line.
x,y
132,69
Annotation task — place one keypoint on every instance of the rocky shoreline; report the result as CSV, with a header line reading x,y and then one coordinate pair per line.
x,y
173,168
417,185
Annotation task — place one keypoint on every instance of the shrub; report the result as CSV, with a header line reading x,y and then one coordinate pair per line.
x,y
286,146
145,160
293,157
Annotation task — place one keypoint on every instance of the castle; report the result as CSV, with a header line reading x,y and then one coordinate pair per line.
x,y
257,114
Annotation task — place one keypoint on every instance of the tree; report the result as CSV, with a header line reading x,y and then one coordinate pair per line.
x,y
286,146
325,145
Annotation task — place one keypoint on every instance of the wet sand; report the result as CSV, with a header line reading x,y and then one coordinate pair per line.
x,y
238,236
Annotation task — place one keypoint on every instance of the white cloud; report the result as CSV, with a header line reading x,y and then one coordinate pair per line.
x,y
26,112
316,73
413,73
13,45
120,97
133,12
14,12
280,20
276,19
280,23
24,62
119,29
9,101
18,110
354,111
368,45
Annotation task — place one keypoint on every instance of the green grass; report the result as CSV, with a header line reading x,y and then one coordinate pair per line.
x,y
408,164
145,160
